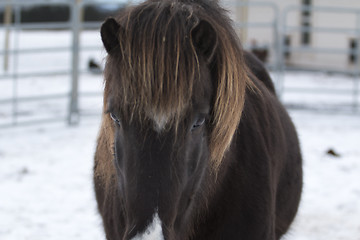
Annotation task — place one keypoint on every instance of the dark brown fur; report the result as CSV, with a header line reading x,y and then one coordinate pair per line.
x,y
228,179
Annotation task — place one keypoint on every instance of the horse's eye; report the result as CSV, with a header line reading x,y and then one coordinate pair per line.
x,y
198,123
115,118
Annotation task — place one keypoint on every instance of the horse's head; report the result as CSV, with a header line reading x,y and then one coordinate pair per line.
x,y
162,96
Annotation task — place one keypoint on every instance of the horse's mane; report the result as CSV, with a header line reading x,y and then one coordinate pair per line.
x,y
156,66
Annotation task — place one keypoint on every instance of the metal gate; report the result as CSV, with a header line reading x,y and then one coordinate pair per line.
x,y
322,31
17,98
15,105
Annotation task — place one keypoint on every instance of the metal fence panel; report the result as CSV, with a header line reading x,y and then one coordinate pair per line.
x,y
285,29
72,95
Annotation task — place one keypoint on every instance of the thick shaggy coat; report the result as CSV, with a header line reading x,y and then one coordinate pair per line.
x,y
193,137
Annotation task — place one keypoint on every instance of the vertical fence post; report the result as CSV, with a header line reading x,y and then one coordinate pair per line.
x,y
357,73
282,28
7,22
73,114
15,102
278,52
242,9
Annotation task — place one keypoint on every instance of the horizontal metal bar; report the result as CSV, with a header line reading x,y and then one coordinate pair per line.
x,y
90,94
86,25
50,25
320,29
36,50
48,50
33,122
37,26
35,2
58,2
331,108
93,47
320,50
33,98
253,4
320,90
353,73
41,74
254,24
321,9
36,74
87,71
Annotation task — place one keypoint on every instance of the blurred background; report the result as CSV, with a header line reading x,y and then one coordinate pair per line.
x,y
51,63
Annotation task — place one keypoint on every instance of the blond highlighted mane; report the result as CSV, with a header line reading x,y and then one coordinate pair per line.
x,y
156,68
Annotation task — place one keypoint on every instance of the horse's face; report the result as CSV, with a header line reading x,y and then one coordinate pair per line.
x,y
160,168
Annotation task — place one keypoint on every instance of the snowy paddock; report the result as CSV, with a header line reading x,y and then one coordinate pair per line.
x,y
46,189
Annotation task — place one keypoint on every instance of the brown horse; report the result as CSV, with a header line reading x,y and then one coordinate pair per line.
x,y
194,143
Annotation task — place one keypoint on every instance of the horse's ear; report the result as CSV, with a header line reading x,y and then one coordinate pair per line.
x,y
110,31
204,39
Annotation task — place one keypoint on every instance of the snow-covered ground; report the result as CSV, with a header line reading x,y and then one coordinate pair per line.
x,y
46,169
330,206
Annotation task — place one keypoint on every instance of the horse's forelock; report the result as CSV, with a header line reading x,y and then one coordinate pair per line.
x,y
158,66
